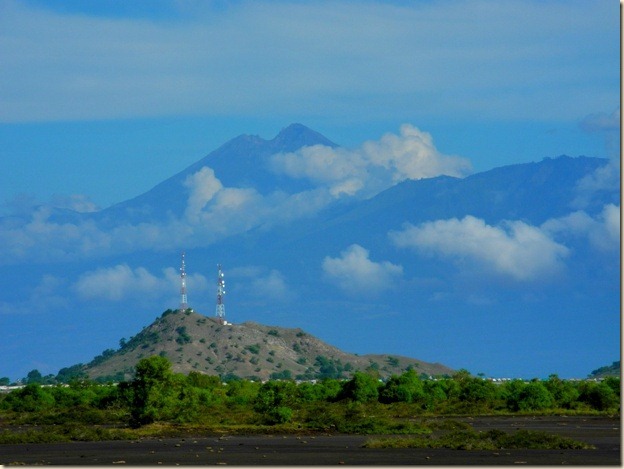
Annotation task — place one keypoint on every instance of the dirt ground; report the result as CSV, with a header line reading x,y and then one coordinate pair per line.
x,y
274,450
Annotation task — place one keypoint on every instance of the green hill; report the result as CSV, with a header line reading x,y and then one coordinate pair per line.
x,y
193,342
609,370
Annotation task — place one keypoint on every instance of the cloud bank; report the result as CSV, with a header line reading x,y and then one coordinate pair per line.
x,y
602,231
214,211
607,177
373,167
514,249
355,273
122,282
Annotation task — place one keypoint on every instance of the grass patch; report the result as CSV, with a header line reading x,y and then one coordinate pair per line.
x,y
65,433
489,440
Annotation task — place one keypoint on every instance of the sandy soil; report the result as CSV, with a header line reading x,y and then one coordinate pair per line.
x,y
602,432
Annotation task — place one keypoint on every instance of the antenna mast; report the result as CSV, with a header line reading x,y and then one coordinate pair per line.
x,y
183,302
220,294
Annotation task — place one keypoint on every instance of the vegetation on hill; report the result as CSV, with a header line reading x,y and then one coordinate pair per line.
x,y
610,370
193,342
158,401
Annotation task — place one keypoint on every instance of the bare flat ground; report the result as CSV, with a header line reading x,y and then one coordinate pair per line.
x,y
604,433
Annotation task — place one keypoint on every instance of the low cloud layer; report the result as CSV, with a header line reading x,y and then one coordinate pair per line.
x,y
514,249
122,282
374,166
355,273
607,177
602,231
214,211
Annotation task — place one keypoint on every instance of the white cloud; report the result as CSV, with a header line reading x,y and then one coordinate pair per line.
x,y
602,232
412,155
118,283
77,202
607,177
515,249
355,273
373,167
202,187
262,283
44,240
213,212
271,286
122,282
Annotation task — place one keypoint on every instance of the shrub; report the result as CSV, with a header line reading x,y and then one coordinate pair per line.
x,y
361,388
30,398
405,388
274,400
534,396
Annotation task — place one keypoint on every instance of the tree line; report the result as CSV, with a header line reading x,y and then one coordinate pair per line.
x,y
157,394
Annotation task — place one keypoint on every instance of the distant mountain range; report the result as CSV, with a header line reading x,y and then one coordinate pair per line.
x,y
389,249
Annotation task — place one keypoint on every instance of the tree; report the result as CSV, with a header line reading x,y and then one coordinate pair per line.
x,y
477,390
511,393
361,388
30,398
535,396
242,392
33,376
274,400
434,394
328,367
600,396
153,391
405,388
75,372
564,393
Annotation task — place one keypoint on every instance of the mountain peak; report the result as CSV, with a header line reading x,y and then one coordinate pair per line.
x,y
296,135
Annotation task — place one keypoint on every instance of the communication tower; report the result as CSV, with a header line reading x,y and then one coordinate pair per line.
x,y
183,301
220,294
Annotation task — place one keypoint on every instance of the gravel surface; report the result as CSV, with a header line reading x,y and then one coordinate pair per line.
x,y
602,432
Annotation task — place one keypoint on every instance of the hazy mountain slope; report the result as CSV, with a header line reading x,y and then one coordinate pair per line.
x,y
193,342
530,192
241,162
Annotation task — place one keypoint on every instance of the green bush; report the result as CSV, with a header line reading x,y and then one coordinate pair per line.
x,y
30,398
405,388
534,396
361,388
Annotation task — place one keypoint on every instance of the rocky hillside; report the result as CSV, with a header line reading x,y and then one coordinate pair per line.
x,y
193,342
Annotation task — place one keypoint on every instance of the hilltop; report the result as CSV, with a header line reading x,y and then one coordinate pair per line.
x,y
193,342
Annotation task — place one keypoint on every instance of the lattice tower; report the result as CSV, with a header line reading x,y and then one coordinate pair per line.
x,y
183,300
220,312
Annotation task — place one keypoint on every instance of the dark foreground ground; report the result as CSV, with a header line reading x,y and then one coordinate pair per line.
x,y
274,450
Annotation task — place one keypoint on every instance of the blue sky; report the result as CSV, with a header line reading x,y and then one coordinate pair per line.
x,y
96,95
102,100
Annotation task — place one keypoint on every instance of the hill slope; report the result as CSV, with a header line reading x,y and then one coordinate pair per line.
x,y
193,342
609,370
